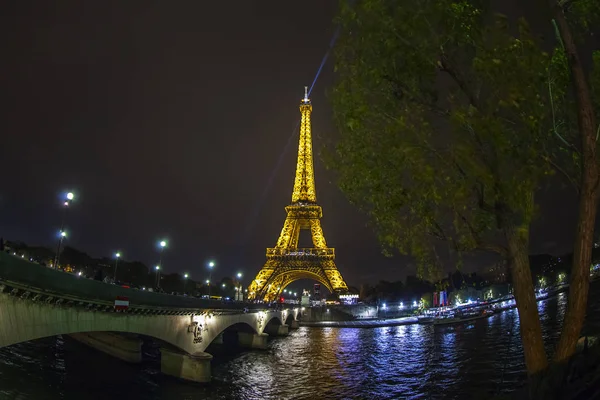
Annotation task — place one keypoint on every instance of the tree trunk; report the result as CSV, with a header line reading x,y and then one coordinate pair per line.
x,y
588,201
529,319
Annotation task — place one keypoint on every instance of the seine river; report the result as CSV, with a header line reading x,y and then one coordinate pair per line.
x,y
413,361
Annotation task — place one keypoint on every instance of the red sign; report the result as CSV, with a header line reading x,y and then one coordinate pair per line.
x,y
121,303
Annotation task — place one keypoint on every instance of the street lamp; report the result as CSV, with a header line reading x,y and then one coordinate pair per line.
x,y
185,276
157,268
211,265
61,236
68,198
117,255
239,291
162,244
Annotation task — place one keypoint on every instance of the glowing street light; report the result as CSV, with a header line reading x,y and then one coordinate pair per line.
x,y
162,244
157,268
62,235
68,198
185,276
117,256
239,295
211,265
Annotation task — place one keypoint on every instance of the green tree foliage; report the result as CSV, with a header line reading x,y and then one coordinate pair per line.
x,y
440,115
445,122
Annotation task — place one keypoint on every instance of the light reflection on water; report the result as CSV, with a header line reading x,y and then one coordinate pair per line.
x,y
472,360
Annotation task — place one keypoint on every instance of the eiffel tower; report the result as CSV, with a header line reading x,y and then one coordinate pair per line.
x,y
286,262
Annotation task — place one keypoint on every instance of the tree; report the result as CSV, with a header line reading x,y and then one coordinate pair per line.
x,y
569,18
444,124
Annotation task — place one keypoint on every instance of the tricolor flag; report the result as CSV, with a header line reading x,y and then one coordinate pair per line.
x,y
121,303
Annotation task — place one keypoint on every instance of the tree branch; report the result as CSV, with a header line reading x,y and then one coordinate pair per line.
x,y
480,244
444,65
400,93
563,173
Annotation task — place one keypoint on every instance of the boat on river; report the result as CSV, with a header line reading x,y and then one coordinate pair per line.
x,y
425,319
456,317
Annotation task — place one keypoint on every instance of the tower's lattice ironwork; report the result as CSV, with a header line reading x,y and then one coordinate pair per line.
x,y
286,262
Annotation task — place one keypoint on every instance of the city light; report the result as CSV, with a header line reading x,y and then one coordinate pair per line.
x,y
157,267
185,276
70,196
117,255
239,275
163,243
63,234
211,265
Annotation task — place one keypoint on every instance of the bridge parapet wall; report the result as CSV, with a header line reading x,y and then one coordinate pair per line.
x,y
192,330
17,270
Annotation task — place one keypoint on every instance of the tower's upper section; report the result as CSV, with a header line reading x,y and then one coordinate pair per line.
x,y
304,183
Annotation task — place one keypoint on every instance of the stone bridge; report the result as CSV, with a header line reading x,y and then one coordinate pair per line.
x,y
37,302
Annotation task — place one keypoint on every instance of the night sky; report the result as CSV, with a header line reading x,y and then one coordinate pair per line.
x,y
168,120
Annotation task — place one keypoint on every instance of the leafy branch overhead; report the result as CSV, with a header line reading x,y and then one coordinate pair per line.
x,y
446,123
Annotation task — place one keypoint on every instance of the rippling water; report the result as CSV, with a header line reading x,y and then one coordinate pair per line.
x,y
412,361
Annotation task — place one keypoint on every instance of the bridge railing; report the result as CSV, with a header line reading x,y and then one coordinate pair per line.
x,y
50,281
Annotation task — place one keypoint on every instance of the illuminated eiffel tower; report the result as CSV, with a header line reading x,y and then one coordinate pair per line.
x,y
286,262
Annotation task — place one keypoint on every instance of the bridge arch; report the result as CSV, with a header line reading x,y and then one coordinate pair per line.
x,y
191,331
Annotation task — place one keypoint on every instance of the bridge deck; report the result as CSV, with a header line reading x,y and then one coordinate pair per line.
x,y
47,280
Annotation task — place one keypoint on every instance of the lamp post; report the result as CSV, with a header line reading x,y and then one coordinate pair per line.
x,y
162,244
239,291
68,198
63,235
117,255
185,276
211,265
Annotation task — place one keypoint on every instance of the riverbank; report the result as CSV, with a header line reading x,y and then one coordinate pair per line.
x,y
380,323
374,323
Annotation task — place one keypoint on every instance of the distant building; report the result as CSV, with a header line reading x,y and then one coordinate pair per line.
x,y
496,273
317,292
